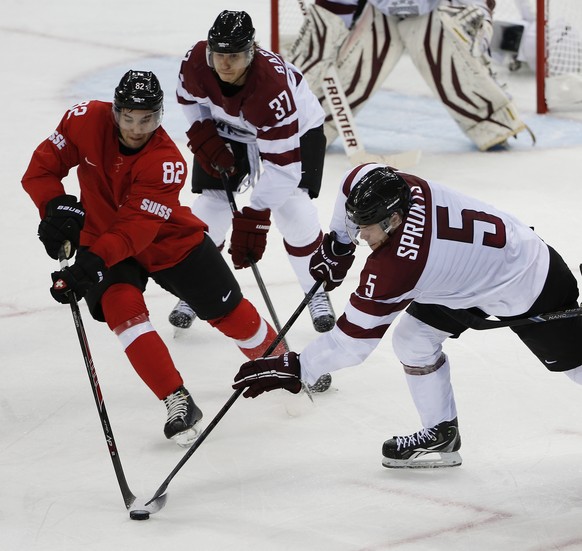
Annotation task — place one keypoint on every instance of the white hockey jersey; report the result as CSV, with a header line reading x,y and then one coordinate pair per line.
x,y
451,249
270,113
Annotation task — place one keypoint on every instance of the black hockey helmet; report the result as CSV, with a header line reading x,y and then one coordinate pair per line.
x,y
232,32
139,90
379,194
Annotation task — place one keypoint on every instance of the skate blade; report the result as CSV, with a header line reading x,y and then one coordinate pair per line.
x,y
449,459
186,438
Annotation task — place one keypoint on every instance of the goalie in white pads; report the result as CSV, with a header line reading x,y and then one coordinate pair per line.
x,y
437,256
447,40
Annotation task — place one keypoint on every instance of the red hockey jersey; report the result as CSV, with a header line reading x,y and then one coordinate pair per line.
x,y
131,201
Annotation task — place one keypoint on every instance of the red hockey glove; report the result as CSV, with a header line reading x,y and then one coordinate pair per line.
x,y
249,236
209,149
87,270
63,221
331,261
269,374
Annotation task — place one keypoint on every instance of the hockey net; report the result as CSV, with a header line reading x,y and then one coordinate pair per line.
x,y
554,55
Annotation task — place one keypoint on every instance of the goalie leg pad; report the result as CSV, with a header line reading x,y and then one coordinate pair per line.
x,y
366,58
442,53
368,53
316,46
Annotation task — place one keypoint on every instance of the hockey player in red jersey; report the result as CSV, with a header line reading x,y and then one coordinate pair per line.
x,y
129,226
252,114
447,40
436,254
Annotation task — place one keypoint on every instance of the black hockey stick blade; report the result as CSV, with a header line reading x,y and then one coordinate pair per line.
x,y
210,427
475,322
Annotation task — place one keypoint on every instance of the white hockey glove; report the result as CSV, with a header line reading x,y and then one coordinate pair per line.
x,y
473,25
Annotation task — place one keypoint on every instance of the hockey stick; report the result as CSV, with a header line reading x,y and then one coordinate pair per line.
x,y
128,498
257,274
475,322
344,121
160,491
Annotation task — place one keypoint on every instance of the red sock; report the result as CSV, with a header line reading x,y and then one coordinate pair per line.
x,y
259,350
127,316
151,359
251,333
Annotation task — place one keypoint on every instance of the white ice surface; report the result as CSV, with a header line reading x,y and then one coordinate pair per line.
x,y
277,473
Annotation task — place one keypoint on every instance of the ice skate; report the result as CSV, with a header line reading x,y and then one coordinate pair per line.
x,y
427,448
321,385
182,316
183,416
321,311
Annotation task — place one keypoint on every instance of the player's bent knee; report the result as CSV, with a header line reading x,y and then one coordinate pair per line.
x,y
122,302
240,324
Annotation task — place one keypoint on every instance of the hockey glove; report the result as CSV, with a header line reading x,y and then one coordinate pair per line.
x,y
63,221
209,149
249,236
268,374
331,261
87,270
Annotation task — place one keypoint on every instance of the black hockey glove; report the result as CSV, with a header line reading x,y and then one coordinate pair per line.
x,y
87,270
63,221
267,374
331,261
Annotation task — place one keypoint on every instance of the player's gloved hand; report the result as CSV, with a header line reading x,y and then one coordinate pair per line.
x,y
87,270
267,374
249,236
63,220
331,261
209,149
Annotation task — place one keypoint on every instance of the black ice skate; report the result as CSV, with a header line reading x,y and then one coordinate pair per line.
x,y
435,447
183,416
321,311
182,316
322,384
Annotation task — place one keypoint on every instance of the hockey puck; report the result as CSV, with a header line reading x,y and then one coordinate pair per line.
x,y
139,515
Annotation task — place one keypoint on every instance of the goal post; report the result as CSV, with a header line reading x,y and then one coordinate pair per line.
x,y
541,56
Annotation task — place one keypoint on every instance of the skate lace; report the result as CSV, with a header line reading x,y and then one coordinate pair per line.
x,y
319,305
416,439
177,406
